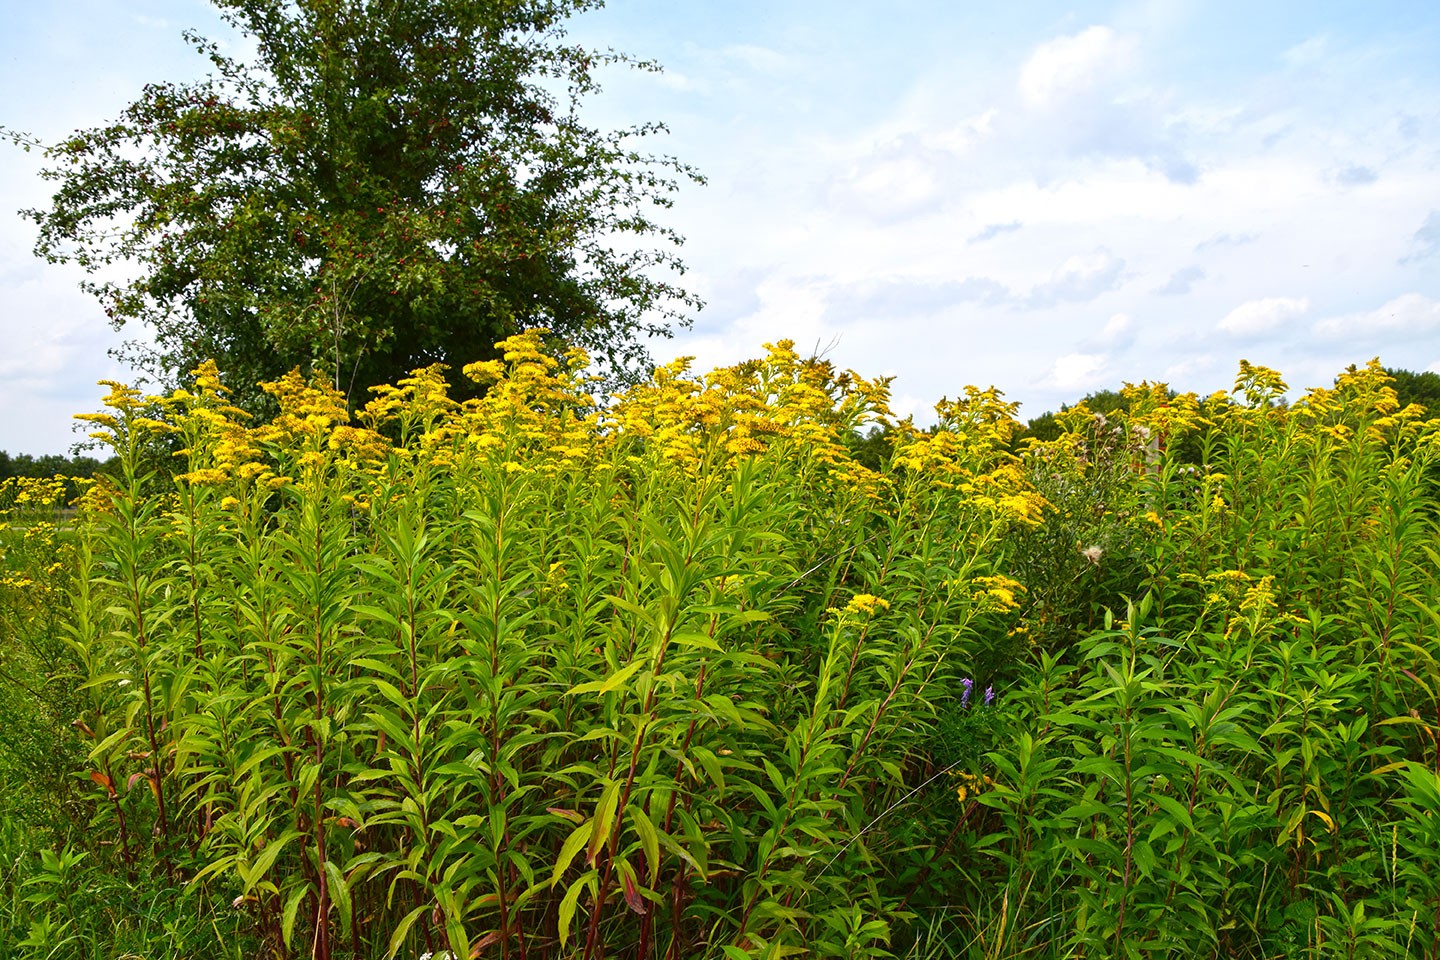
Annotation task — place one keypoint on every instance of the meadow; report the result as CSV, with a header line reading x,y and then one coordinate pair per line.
x,y
696,670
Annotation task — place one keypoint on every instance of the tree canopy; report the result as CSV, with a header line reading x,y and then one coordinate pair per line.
x,y
385,184
1411,387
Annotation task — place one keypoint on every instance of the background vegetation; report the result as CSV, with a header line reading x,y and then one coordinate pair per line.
x,y
373,187
680,675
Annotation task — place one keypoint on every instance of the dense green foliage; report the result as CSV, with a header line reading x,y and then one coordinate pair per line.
x,y
682,677
386,185
1421,388
47,466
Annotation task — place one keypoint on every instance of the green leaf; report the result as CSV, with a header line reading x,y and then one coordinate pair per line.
x,y
397,936
570,902
339,892
603,819
649,837
292,908
255,871
613,682
1176,810
571,847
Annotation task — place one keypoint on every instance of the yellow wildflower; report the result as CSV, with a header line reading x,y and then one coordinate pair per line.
x,y
866,603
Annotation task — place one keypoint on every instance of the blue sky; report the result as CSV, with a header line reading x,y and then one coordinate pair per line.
x,y
1049,197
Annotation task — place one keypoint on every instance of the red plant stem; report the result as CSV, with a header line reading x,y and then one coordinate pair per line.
x,y
322,907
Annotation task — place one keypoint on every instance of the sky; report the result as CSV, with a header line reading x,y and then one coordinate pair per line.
x,y
1053,198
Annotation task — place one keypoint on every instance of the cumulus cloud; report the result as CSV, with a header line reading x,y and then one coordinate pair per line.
x,y
1189,367
1257,317
1117,328
894,298
1180,281
1311,50
895,180
1410,313
757,58
1077,371
1061,67
1081,104
1079,279
1426,240
1117,334
1355,176
994,230
1225,240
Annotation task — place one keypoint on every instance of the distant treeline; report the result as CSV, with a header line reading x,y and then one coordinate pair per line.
x,y
50,465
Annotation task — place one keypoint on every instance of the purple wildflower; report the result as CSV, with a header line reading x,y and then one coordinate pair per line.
x,y
969,685
989,696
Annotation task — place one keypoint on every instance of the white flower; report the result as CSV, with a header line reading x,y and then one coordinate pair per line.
x,y
1092,554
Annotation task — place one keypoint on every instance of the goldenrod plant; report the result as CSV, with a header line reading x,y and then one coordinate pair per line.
x,y
670,674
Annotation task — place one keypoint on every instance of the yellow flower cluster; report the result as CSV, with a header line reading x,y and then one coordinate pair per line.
x,y
867,604
1226,586
967,451
783,405
997,593
970,785
30,495
1261,387
1155,417
535,414
1362,403
131,415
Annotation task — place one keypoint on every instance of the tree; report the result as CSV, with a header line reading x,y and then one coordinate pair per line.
x,y
1422,388
389,184
1046,427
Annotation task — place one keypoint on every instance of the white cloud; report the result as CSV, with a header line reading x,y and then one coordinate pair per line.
x,y
1308,51
1077,371
1426,240
757,58
1117,327
1066,65
993,230
1180,282
1256,317
675,80
1225,240
895,186
1079,278
983,125
1189,367
1355,175
1410,313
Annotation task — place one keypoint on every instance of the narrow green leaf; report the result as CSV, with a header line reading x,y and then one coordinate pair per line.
x,y
397,937
339,892
603,820
292,908
649,837
570,902
610,683
572,846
